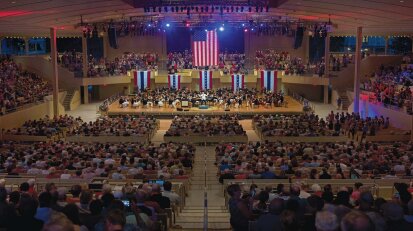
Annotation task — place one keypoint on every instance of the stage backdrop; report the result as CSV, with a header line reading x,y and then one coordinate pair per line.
x,y
230,40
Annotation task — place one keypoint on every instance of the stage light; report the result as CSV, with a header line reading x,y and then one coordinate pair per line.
x,y
221,28
149,25
168,25
246,30
243,24
187,24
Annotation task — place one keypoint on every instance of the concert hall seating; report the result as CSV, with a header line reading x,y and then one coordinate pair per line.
x,y
18,87
194,129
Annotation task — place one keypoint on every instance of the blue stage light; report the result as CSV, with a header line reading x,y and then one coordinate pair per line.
x,y
168,25
221,28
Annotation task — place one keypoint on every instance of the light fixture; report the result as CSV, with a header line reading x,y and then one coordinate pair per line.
x,y
221,28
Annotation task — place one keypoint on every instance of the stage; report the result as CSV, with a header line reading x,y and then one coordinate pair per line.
x,y
293,107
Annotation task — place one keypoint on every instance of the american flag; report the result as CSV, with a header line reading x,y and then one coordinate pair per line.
x,y
205,48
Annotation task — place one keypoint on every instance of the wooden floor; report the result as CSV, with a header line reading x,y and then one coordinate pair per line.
x,y
293,107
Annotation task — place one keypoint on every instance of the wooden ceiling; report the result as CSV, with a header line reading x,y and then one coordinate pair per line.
x,y
35,17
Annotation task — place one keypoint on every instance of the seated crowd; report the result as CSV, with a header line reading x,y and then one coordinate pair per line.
x,y
391,85
66,160
281,61
117,126
337,62
104,67
314,160
311,125
298,208
226,125
221,97
228,63
132,207
18,87
46,126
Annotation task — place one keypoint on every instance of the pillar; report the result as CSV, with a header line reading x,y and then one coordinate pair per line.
x,y
411,38
1,43
26,46
85,94
53,54
306,41
357,69
105,45
386,44
326,94
84,56
327,56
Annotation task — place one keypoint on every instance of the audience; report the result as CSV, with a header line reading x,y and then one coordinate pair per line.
x,y
226,125
309,160
46,126
117,126
391,86
335,124
18,87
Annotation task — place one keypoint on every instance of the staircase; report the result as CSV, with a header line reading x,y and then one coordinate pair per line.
x,y
163,127
192,216
68,99
345,102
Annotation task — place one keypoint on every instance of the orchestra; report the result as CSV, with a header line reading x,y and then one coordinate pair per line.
x,y
224,98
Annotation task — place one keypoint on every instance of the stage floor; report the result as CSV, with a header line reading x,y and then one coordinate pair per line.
x,y
294,107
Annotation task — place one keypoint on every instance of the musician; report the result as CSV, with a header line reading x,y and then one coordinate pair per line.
x,y
203,97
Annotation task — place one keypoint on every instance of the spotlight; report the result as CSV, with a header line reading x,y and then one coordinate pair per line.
x,y
187,24
243,24
221,28
168,25
246,30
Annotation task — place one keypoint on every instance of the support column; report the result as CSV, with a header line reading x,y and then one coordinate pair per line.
x,y
327,56
1,42
84,56
85,94
386,44
326,94
105,45
357,69
412,42
26,46
306,41
53,54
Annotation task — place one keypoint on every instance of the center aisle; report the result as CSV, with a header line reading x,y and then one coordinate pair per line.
x,y
192,216
247,126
